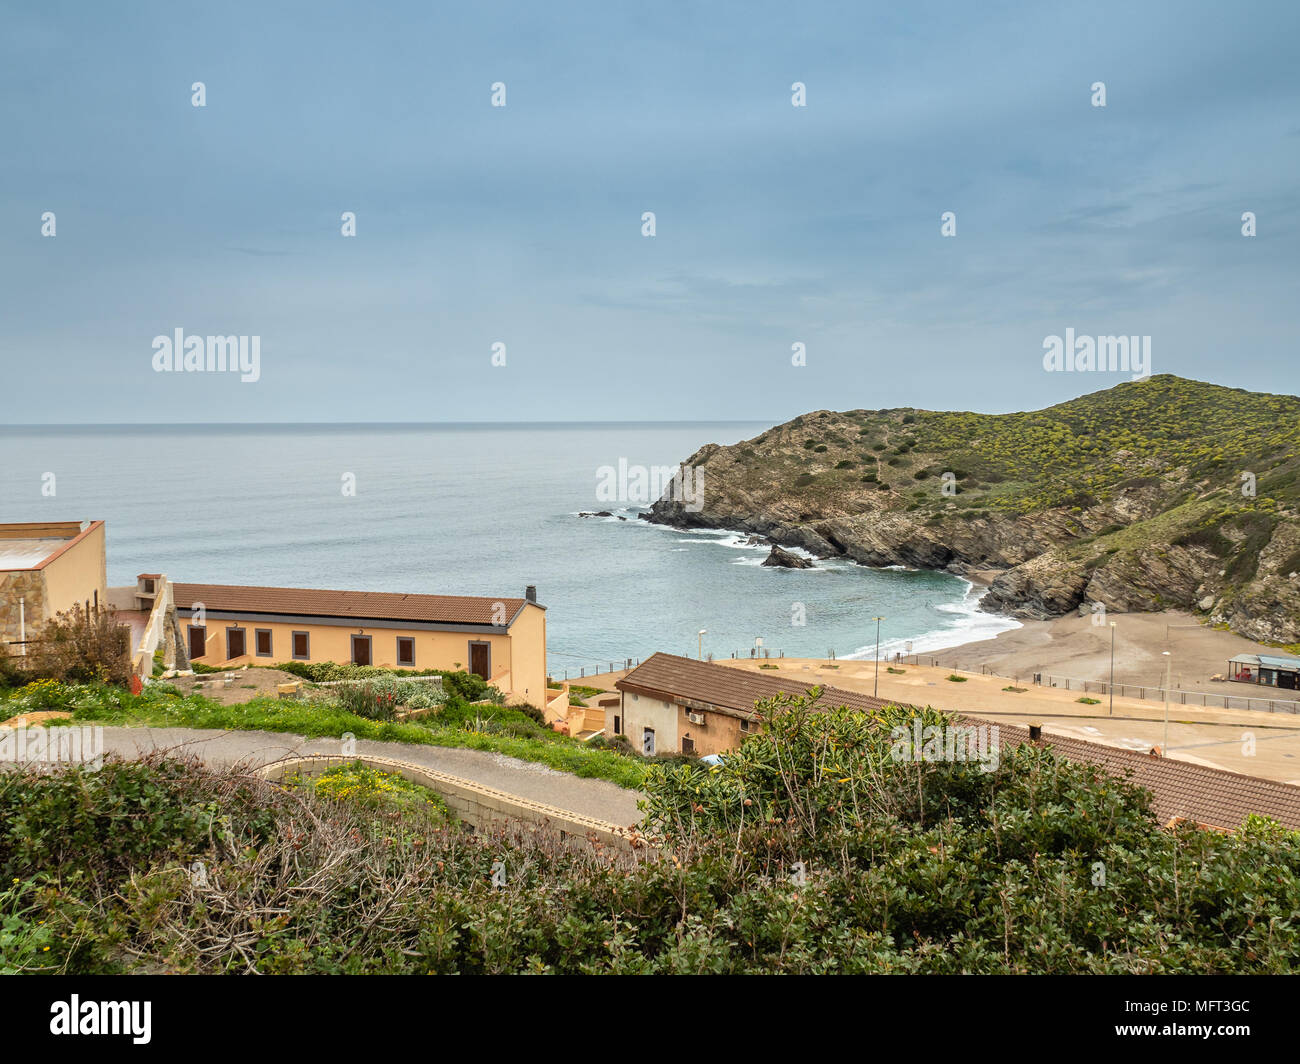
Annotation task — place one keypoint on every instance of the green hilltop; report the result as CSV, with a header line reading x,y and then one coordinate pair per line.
x,y
1155,493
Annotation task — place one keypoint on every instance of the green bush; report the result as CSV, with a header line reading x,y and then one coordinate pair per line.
x,y
904,867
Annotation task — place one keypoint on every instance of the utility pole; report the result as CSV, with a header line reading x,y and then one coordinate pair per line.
x,y
1112,668
1169,671
875,687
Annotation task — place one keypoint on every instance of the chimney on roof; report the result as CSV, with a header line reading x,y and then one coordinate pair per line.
x,y
530,592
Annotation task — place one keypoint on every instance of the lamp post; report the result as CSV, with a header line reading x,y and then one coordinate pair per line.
x,y
1112,668
702,633
875,687
1169,670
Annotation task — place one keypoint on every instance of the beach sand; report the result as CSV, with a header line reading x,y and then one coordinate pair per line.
x,y
1073,646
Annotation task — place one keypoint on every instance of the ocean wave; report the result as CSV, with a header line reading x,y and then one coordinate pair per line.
x,y
971,625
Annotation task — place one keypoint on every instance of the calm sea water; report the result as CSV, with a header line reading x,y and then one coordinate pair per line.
x,y
481,510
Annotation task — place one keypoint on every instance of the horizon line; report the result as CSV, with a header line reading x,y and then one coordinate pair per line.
x,y
368,424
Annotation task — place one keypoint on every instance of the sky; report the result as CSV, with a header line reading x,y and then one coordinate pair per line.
x,y
522,225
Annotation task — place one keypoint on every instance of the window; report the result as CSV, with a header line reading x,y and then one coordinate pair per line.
x,y
618,726
236,645
262,641
688,745
301,646
361,650
745,725
148,587
405,650
198,641
648,742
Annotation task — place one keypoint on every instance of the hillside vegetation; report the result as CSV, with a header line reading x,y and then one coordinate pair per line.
x,y
810,850
1153,494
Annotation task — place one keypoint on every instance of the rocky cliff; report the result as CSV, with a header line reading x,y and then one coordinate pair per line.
x,y
1154,494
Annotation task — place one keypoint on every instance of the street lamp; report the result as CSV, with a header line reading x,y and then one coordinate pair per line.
x,y
1112,668
1169,669
875,687
702,633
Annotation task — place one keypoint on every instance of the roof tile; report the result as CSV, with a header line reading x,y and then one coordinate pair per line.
x,y
1210,796
361,605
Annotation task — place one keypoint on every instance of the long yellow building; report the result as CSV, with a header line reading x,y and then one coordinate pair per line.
x,y
503,640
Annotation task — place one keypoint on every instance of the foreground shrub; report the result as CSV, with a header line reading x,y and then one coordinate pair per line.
x,y
810,849
76,646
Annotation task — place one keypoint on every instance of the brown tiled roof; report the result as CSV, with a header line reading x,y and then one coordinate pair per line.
x,y
361,605
1210,796
728,688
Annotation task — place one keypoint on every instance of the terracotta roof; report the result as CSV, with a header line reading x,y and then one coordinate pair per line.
x,y
362,605
1210,796
726,687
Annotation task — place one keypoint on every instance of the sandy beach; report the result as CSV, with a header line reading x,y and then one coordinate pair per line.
x,y
1073,646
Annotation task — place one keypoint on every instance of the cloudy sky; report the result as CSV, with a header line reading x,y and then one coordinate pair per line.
x,y
523,224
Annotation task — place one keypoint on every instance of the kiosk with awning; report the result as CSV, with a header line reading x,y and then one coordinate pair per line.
x,y
1266,670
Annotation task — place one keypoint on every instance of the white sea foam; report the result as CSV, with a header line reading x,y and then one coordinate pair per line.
x,y
970,625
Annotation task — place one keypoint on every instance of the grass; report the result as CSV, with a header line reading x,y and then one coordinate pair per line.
x,y
362,785
896,672
583,691
765,666
1089,701
491,728
579,693
952,677
1016,690
1178,446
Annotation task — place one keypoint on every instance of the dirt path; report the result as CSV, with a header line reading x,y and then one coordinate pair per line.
x,y
246,684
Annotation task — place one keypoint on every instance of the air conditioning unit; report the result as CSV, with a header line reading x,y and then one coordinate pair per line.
x,y
696,718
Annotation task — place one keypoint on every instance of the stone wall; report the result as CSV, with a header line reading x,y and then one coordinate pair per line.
x,y
20,584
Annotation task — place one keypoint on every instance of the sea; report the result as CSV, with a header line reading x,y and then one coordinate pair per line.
x,y
473,509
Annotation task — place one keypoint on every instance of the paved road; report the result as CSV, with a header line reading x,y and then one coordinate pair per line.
x,y
526,779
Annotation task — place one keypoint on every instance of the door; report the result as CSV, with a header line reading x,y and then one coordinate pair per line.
x,y
198,641
648,742
361,650
480,660
235,647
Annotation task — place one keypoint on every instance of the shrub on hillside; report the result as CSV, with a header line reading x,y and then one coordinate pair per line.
x,y
79,646
902,867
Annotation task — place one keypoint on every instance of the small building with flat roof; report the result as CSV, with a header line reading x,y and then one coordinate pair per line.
x,y
47,567
1266,670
